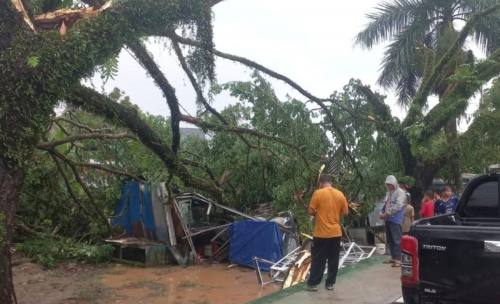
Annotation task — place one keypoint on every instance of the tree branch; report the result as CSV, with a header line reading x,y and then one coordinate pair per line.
x,y
468,140
94,166
202,166
148,63
256,66
199,92
287,80
381,110
79,125
237,130
73,195
51,144
425,89
457,100
82,184
209,108
99,104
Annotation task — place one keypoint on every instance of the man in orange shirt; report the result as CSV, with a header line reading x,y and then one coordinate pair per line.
x,y
327,206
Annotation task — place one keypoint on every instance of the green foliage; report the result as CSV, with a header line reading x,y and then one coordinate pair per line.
x,y
478,160
109,69
47,250
377,155
411,26
33,61
65,61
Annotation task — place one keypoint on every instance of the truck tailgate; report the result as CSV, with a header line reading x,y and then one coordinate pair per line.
x,y
459,264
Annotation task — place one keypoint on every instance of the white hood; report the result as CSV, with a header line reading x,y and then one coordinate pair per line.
x,y
392,181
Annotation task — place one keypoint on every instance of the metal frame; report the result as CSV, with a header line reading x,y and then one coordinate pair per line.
x,y
353,253
277,268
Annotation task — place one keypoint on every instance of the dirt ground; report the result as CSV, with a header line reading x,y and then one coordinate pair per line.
x,y
114,283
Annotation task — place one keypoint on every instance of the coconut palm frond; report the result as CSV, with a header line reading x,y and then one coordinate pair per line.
x,y
407,88
487,33
399,58
390,19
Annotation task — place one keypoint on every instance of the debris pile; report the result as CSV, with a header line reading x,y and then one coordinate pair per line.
x,y
193,228
294,267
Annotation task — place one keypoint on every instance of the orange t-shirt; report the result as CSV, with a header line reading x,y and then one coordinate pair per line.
x,y
328,203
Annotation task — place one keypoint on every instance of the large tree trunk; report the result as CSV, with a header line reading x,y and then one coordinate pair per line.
x,y
10,187
423,173
424,176
451,136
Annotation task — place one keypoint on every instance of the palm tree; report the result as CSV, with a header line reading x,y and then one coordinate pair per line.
x,y
410,25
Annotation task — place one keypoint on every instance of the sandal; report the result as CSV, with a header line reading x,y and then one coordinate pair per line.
x,y
389,262
396,264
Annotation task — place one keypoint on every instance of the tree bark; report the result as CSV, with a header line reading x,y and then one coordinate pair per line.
x,y
10,188
451,136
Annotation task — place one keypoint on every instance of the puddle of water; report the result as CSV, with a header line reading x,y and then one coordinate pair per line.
x,y
194,284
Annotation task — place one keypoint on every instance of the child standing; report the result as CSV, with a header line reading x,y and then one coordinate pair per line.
x,y
409,214
447,204
427,205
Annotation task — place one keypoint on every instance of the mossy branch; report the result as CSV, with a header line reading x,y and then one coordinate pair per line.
x,y
99,104
255,65
457,100
146,60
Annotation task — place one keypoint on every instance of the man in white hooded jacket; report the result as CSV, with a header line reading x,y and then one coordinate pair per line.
x,y
392,212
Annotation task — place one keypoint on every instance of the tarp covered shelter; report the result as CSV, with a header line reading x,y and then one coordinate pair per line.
x,y
249,239
140,211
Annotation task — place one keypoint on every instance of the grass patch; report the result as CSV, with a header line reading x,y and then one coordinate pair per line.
x,y
155,289
187,284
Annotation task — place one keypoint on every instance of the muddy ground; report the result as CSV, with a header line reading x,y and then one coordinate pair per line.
x,y
115,283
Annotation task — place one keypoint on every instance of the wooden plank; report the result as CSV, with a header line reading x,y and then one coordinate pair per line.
x,y
170,226
219,250
128,262
206,230
218,235
186,231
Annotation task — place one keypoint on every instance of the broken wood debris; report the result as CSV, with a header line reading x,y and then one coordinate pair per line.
x,y
300,268
296,265
186,230
67,18
20,8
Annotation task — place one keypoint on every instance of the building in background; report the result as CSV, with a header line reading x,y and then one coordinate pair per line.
x,y
186,132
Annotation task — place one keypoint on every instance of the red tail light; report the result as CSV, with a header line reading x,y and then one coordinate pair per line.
x,y
409,267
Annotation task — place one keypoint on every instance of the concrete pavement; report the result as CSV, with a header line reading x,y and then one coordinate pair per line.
x,y
369,281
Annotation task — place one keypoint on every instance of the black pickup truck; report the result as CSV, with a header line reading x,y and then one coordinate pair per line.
x,y
455,258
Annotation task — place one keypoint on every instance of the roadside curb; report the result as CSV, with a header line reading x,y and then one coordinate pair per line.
x,y
343,272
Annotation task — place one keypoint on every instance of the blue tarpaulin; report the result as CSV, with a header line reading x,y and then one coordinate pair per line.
x,y
249,239
135,209
122,207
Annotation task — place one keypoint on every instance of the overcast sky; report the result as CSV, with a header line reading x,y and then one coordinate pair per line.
x,y
311,42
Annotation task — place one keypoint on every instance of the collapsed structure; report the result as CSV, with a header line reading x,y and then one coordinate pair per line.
x,y
191,227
